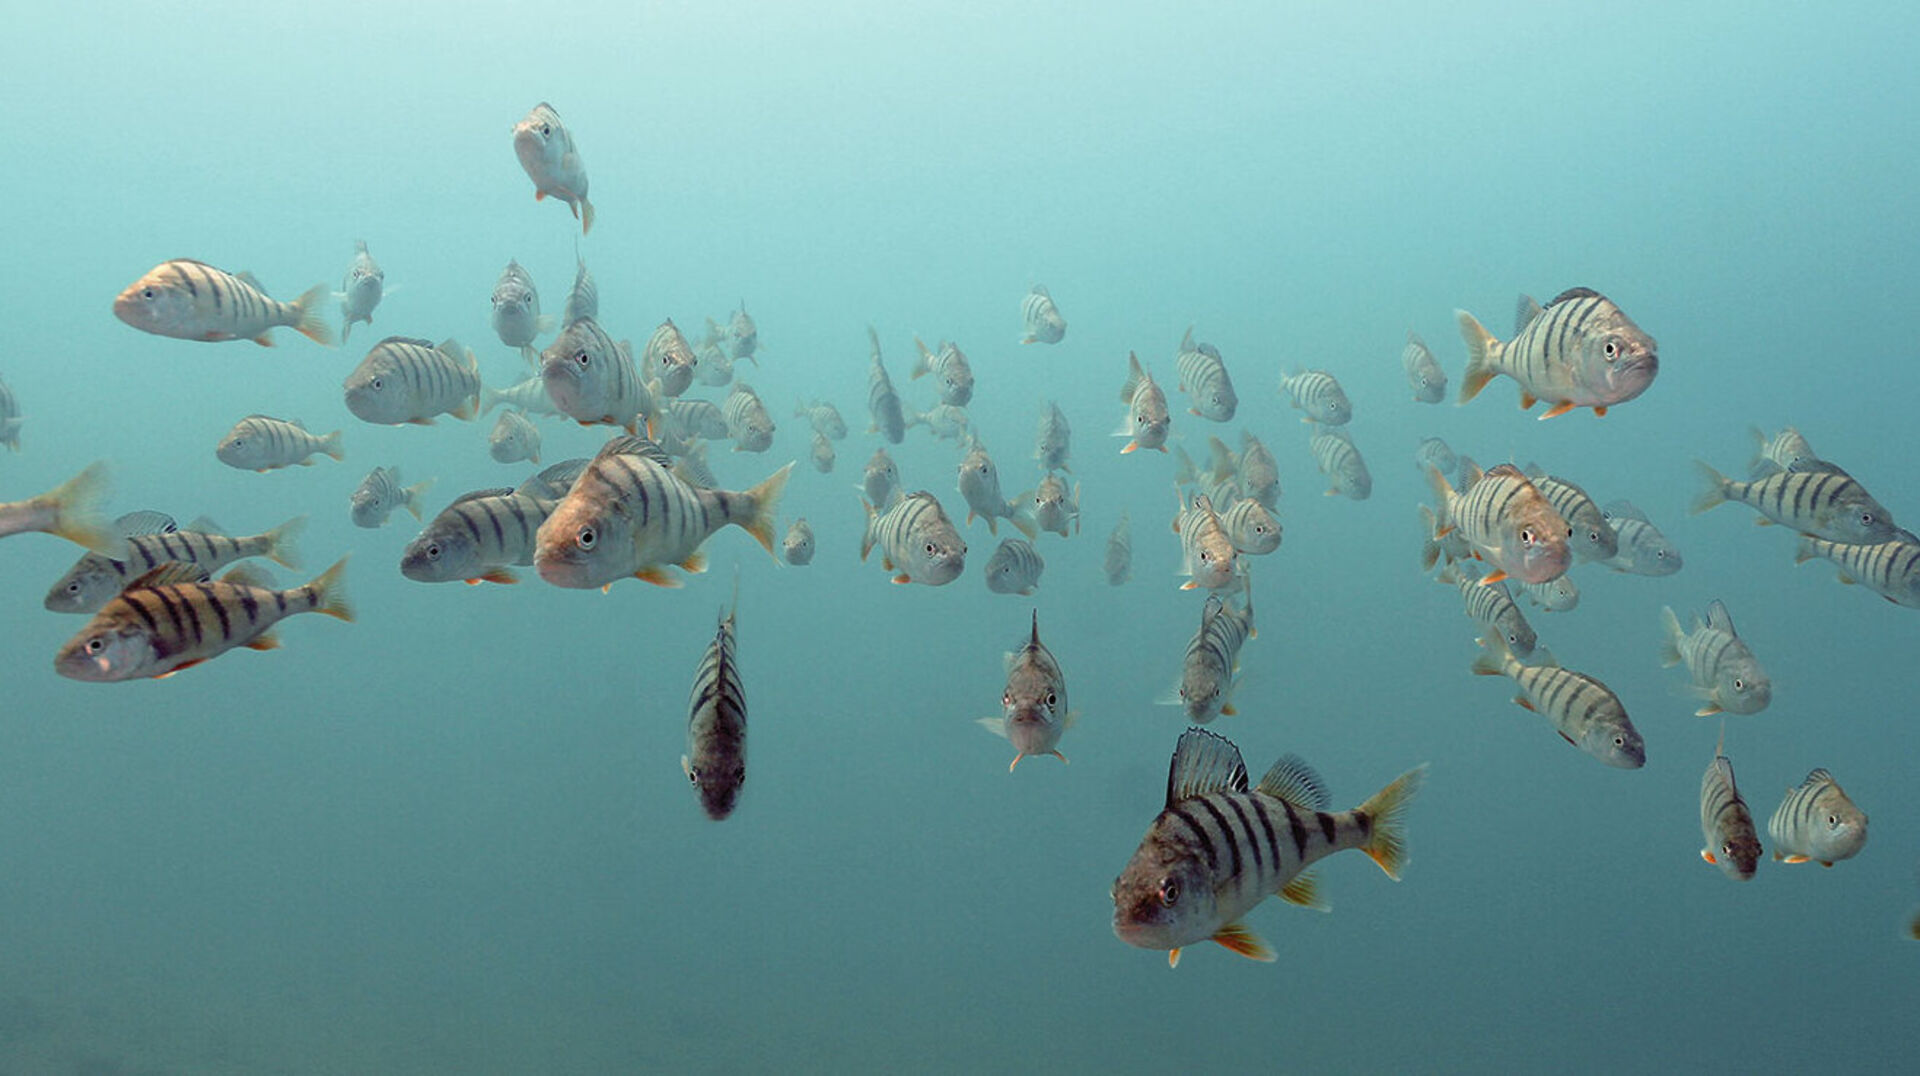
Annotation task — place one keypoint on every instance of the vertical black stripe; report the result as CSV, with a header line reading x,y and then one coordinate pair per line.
x,y
1226,831
1298,830
1206,842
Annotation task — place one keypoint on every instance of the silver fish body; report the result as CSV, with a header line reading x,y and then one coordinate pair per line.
x,y
1817,822
1051,508
1585,712
824,418
880,479
712,366
1203,377
699,418
1208,557
1251,528
1580,350
516,311
480,537
716,758
1787,450
1033,707
152,539
547,153
191,300
979,484
823,455
1643,550
263,443
404,380
669,358
1828,504
1725,673
1319,394
529,395
513,439
1891,568
949,422
748,421
592,379
1340,461
1560,595
9,418
379,494
360,290
1053,440
797,547
1258,471
953,374
883,402
1424,375
1042,318
918,543
1508,521
1492,607
1437,454
1211,666
1014,567
1148,419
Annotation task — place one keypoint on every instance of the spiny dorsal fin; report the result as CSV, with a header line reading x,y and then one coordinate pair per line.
x,y
174,571
628,444
246,277
1292,780
134,524
1575,293
555,480
414,340
1035,640
501,491
1204,762
1818,777
1718,618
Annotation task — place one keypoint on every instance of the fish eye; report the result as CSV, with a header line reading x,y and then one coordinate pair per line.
x,y
930,549
1527,536
1739,684
1052,700
1866,519
693,776
1612,351
96,644
1170,892
1619,741
546,129
1513,637
378,384
146,293
1006,698
1833,820
582,357
73,587
1593,536
586,537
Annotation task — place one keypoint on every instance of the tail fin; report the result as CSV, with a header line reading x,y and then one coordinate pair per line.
x,y
1384,809
1481,347
330,444
1670,643
531,354
924,364
586,215
280,543
1493,656
1442,495
312,322
490,399
410,497
346,328
867,538
330,592
1022,518
1184,470
1715,491
75,506
766,507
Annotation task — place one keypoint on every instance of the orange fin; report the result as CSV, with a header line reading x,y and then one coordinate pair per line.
x,y
696,562
1228,710
1134,446
196,661
263,340
1563,735
539,195
1527,400
1189,585
497,575
1708,856
265,641
1173,957
903,578
1795,858
1493,577
657,576
1237,937
1557,410
1527,704
420,421
1600,410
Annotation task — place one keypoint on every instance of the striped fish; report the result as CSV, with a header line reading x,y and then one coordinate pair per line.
x,y
174,618
592,380
482,535
379,494
1049,507
1584,711
711,366
513,439
948,422
748,422
1437,454
824,418
1492,607
1318,394
1579,351
406,380
1147,420
1825,504
1258,471
629,515
917,541
1643,549
361,289
517,319
70,510
1042,318
797,547
823,455
1817,822
262,443
584,300
1118,563
1592,537
1203,377
9,418
1508,522
1732,843
1053,439
1891,568
1033,708
950,366
742,336
1560,595
1208,558
190,300
545,148
716,758
1442,542
1784,451
528,395
980,487
1014,567
669,358
1333,450
1250,527
883,403
1219,848
1211,667
1424,375
699,418
1725,672
880,480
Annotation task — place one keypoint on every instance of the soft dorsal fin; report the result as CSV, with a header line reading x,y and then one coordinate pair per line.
x,y
1818,777
1034,640
204,524
1623,510
1718,618
1524,312
1543,658
1534,472
248,575
134,524
500,491
1470,473
1575,293
414,340
628,444
555,480
174,571
1186,341
1291,779
1204,762
246,277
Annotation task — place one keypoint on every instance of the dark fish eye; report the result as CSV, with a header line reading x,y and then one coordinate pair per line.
x,y
930,549
1619,741
693,775
1170,892
586,537
73,587
545,129
1526,536
1739,684
582,357
146,293
95,645
1513,637
1833,820
1052,699
433,552
378,384
1612,351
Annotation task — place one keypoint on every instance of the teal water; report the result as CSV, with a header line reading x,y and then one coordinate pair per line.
x,y
454,836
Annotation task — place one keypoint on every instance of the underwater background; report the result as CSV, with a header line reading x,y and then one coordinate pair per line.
x,y
454,836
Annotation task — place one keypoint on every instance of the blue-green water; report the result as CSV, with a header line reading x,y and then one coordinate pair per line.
x,y
454,836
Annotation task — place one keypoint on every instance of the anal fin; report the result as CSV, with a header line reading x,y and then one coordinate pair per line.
x,y
1237,937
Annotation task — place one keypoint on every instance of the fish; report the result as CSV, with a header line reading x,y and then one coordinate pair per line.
x,y
1053,440
699,418
1211,667
191,300
584,300
1592,538
748,422
1580,350
1251,528
1825,504
1318,394
553,482
1643,549
1258,471
880,479
546,150
1437,454
1726,826
797,547
1784,451
262,443
379,494
360,290
1147,420
669,358
517,319
1219,848
980,487
175,617
1817,822
9,417
153,539
918,543
485,533
513,439
528,395
1508,522
742,335
1339,459
1042,318
1014,567
1208,557
1561,595
629,515
711,366
1585,712
1033,707
1203,377
1725,673
716,758
592,380
1118,563
403,380
952,371
823,455
1050,508
1492,607
948,422
70,510
824,418
883,403
1424,375
1890,569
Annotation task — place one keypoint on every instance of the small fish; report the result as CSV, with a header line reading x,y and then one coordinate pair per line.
x,y
797,547
1203,377
1212,664
517,319
1318,394
1118,564
70,510
1424,375
1208,557
1825,504
153,539
1560,595
9,418
1258,471
953,374
174,618
592,380
403,380
823,455
880,479
545,148
1732,843
1033,707
1509,523
1050,508
190,300
918,542
261,443
699,418
1591,537
1014,567
528,395
379,494
1492,607
1580,350
742,336
1042,318
1334,451
711,366
1147,418
1725,672
513,438
484,534
1643,549
1053,440
1219,848
883,403
1584,711
716,758
824,418
1437,454
584,300
1891,568
980,487
948,422
1817,822
669,358
748,422
1784,451
360,290
1251,528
